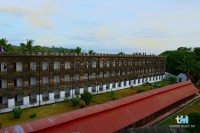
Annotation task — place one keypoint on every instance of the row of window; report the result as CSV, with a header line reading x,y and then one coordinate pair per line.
x,y
45,81
68,65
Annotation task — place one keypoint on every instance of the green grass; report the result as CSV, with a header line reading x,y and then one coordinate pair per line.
x,y
62,107
195,107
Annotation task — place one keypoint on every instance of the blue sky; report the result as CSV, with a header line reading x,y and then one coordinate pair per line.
x,y
106,26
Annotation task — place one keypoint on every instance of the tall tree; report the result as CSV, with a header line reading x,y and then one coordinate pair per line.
x,y
28,47
184,49
121,53
175,63
186,64
197,52
91,52
4,43
78,50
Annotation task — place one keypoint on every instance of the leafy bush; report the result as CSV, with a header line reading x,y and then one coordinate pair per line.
x,y
75,101
32,115
172,80
17,111
112,94
82,104
140,91
86,97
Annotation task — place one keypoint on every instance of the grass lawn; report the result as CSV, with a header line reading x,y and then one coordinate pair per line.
x,y
195,107
62,107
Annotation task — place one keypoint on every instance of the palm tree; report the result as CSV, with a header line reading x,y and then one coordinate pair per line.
x,y
91,52
121,53
28,47
6,47
77,50
186,65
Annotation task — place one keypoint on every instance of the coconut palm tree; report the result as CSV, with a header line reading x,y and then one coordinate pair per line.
x,y
91,52
186,65
28,47
77,50
6,47
121,53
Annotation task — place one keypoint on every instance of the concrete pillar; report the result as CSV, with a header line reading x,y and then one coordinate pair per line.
x,y
127,83
104,88
140,81
116,86
38,98
81,90
26,100
147,79
97,89
110,85
51,96
132,82
62,94
163,76
11,103
90,89
72,92
136,82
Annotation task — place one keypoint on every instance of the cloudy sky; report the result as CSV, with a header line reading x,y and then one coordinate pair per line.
x,y
106,26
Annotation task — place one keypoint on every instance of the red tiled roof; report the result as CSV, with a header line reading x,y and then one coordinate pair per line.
x,y
110,116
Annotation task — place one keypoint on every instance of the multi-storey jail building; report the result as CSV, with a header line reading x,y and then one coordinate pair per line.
x,y
28,80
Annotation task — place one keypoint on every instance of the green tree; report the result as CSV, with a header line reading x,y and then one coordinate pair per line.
x,y
86,97
75,101
17,111
4,43
184,49
186,64
175,63
28,47
121,53
172,80
91,52
78,50
197,52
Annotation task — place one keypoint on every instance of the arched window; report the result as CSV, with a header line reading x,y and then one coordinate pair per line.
x,y
101,75
94,64
78,64
101,63
108,63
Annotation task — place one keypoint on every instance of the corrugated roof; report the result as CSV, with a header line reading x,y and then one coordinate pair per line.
x,y
110,116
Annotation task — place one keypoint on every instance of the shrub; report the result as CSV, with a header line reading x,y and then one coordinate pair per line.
x,y
32,115
86,97
172,80
140,91
75,101
17,111
82,104
114,98
112,94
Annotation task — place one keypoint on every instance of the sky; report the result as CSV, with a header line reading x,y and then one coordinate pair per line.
x,y
105,26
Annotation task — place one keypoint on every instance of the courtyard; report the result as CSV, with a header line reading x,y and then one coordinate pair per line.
x,y
62,107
